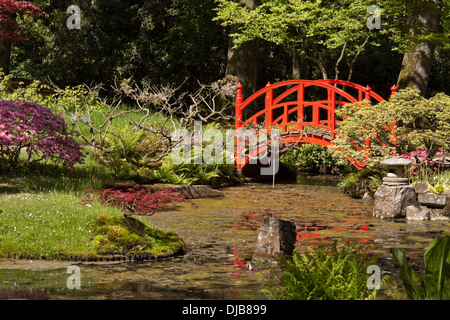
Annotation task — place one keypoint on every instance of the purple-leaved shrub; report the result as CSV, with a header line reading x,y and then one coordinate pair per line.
x,y
38,131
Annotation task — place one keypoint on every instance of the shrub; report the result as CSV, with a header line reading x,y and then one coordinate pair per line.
x,y
36,130
186,174
367,131
362,181
322,274
139,202
311,158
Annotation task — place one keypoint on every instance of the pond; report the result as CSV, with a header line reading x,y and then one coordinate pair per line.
x,y
220,235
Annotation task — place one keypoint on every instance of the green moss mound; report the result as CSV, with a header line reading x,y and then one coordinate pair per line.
x,y
119,238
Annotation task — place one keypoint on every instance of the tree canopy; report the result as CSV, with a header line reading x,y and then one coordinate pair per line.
x,y
187,41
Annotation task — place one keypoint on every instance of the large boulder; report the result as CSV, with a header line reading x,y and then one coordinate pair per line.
x,y
391,201
275,237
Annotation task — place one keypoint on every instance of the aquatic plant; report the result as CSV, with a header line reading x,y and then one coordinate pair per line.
x,y
435,284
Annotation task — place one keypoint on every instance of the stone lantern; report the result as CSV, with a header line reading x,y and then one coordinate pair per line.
x,y
395,176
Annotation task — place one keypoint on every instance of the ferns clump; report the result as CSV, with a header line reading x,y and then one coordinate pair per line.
x,y
321,274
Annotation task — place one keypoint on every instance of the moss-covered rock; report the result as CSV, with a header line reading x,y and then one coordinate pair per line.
x,y
130,238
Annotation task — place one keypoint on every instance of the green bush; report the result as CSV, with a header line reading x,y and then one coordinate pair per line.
x,y
185,174
418,123
311,158
367,178
321,274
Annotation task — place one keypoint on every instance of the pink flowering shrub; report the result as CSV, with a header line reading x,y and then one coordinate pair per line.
x,y
35,129
424,165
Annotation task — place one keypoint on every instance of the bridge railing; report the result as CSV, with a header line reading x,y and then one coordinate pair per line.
x,y
335,97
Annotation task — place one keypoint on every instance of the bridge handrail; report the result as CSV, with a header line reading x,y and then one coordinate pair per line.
x,y
307,83
325,83
356,86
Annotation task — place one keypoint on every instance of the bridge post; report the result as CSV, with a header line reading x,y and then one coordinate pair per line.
x,y
332,112
238,110
393,90
367,93
301,106
268,106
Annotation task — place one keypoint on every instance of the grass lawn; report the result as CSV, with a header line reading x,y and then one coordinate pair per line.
x,y
47,225
58,226
42,217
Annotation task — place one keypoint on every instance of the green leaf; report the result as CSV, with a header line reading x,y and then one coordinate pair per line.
x,y
414,285
437,267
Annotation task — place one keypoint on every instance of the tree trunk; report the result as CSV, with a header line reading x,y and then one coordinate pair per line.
x,y
296,74
416,65
5,55
243,61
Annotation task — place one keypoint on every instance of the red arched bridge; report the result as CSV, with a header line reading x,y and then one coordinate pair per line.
x,y
298,119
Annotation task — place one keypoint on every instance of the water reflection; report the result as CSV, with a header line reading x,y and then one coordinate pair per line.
x,y
221,235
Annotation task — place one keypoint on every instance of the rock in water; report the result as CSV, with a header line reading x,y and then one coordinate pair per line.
x,y
275,236
417,212
391,201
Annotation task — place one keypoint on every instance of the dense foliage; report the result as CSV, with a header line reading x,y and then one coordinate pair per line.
x,y
178,42
307,28
8,25
162,42
311,158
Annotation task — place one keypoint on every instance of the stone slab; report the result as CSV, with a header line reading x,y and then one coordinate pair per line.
x,y
432,200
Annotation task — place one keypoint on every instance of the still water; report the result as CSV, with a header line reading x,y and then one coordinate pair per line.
x,y
220,235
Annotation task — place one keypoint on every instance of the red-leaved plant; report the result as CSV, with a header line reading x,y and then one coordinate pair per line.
x,y
8,10
38,131
138,201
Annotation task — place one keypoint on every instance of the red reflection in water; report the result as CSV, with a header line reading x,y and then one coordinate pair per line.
x,y
305,232
248,221
239,264
309,234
